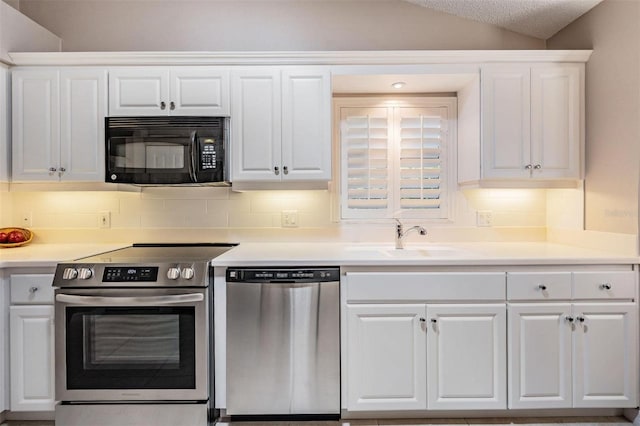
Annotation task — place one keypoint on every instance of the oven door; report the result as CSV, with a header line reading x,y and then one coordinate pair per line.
x,y
133,344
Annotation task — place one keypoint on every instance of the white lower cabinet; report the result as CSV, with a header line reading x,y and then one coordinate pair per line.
x,y
417,356
386,357
31,340
605,350
466,356
32,362
575,354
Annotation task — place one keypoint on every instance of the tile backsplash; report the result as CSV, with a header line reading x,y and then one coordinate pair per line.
x,y
230,214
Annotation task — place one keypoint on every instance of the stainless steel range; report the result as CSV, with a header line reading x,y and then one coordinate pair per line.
x,y
134,337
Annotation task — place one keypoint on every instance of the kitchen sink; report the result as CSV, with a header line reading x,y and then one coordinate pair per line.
x,y
410,251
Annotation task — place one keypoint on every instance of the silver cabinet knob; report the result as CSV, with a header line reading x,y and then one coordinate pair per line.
x,y
173,273
285,170
568,318
276,170
422,319
542,287
172,105
537,167
62,169
187,273
528,167
69,274
605,286
580,319
85,273
163,105
33,289
434,321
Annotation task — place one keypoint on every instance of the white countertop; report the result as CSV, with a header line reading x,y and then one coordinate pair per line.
x,y
380,254
43,255
347,254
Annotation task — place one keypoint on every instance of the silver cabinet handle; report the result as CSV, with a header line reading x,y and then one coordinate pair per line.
x,y
605,286
276,170
528,167
537,167
52,170
285,170
422,319
580,319
130,301
542,287
163,105
62,169
568,318
434,321
172,106
33,289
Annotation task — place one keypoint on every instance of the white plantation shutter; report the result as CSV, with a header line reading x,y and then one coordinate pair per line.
x,y
395,160
365,157
422,163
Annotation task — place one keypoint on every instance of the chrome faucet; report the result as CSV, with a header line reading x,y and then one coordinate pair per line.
x,y
400,233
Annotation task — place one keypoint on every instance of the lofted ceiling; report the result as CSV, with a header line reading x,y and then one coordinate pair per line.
x,y
536,18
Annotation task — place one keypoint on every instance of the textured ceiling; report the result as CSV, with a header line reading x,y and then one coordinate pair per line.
x,y
536,18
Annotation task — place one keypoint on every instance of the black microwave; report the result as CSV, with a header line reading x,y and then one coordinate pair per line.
x,y
167,150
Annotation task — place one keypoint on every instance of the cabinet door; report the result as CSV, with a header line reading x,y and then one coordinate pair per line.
x,y
4,127
199,91
506,123
138,91
540,355
556,121
467,366
83,94
605,355
386,358
32,362
36,125
256,125
306,124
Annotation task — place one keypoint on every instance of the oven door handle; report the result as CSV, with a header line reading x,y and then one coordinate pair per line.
x,y
130,301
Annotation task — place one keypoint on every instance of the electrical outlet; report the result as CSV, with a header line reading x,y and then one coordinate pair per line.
x,y
26,219
104,220
289,218
484,218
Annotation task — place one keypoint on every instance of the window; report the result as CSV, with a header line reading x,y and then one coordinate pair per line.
x,y
397,157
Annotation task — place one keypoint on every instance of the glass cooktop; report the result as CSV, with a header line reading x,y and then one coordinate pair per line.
x,y
161,253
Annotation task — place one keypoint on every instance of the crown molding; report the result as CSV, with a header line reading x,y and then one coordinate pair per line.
x,y
390,57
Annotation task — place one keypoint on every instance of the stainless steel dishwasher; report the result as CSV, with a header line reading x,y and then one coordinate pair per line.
x,y
283,342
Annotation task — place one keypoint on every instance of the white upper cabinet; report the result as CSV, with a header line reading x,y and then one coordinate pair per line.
x,y
281,124
136,91
5,109
58,124
531,119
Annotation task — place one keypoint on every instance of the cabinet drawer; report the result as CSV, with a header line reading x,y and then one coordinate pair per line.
x,y
604,285
32,289
393,286
538,285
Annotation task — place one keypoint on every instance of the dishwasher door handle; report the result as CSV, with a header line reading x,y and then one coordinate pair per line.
x,y
130,301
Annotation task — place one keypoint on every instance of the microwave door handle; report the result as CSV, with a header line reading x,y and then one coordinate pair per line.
x,y
130,301
192,155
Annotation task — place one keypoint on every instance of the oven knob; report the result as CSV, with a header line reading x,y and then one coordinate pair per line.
x,y
85,273
173,273
187,273
69,274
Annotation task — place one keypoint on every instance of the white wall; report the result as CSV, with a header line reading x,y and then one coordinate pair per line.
x,y
245,25
18,33
612,30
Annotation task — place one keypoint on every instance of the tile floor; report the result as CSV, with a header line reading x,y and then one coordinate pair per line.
x,y
524,421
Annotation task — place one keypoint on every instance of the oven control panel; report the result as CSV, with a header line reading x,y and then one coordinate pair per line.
x,y
116,274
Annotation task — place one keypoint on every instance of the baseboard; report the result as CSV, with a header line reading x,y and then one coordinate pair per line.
x,y
457,414
30,415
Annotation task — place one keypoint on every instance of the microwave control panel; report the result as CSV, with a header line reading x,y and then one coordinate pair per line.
x,y
208,156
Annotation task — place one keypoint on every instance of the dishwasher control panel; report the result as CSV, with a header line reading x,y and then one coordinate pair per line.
x,y
301,275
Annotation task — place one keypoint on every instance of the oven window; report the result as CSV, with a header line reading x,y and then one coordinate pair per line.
x,y
130,348
131,341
